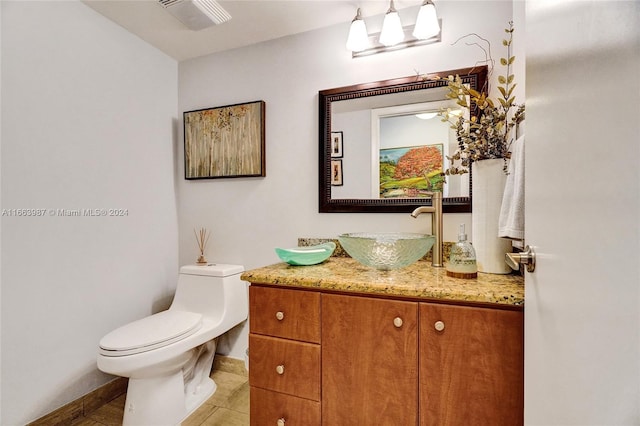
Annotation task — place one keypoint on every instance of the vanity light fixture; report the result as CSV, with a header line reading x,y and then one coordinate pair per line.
x,y
392,32
358,39
427,24
393,35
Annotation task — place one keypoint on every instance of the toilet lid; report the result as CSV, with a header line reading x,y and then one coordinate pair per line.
x,y
150,333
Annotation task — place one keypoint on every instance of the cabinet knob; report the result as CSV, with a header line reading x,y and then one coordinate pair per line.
x,y
280,369
439,326
397,321
281,422
279,315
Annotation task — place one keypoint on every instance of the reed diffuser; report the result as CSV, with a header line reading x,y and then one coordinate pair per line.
x,y
202,237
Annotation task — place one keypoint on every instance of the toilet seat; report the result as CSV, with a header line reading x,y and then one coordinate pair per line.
x,y
150,333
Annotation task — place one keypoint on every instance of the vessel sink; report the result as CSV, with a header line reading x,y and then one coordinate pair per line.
x,y
312,255
386,250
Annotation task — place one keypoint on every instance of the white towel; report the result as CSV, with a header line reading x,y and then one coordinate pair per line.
x,y
511,221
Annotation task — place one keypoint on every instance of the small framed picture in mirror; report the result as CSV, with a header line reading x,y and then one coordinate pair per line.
x,y
336,144
336,172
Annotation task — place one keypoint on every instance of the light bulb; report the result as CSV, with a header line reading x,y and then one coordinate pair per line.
x,y
358,39
427,24
392,32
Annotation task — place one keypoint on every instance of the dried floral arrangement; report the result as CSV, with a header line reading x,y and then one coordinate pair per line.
x,y
202,237
490,134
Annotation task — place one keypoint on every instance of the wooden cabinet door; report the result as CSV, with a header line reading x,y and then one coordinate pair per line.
x,y
471,366
369,363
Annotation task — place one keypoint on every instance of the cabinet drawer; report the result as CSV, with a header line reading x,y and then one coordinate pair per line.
x,y
285,366
292,314
267,407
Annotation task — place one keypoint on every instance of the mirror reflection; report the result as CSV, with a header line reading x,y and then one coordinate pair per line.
x,y
400,150
383,145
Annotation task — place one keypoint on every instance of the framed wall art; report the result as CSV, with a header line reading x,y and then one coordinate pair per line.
x,y
225,142
336,144
410,172
336,172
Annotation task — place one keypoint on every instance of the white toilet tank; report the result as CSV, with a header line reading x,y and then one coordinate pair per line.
x,y
213,290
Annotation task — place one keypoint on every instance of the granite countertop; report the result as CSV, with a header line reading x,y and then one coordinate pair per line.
x,y
419,280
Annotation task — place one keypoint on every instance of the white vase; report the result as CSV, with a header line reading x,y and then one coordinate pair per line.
x,y
488,181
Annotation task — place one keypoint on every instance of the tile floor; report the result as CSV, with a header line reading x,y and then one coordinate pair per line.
x,y
228,406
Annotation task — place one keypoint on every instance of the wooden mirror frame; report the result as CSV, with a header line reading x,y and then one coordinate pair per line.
x,y
476,77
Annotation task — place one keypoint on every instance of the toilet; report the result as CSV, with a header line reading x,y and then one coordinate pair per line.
x,y
168,356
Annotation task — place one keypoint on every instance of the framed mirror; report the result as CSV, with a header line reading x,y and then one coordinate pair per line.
x,y
382,145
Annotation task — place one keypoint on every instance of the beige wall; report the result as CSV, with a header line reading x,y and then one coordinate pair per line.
x,y
249,217
88,122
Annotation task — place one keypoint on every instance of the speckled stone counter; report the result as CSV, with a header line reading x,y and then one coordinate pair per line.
x,y
419,280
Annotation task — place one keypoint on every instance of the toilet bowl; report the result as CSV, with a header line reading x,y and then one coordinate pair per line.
x,y
168,356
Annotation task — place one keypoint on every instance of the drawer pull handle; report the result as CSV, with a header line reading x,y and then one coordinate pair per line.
x,y
439,326
280,369
279,315
281,422
397,321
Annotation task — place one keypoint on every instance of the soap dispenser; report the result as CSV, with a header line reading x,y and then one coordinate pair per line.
x,y
462,261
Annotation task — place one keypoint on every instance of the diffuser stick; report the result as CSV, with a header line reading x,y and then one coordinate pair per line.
x,y
202,237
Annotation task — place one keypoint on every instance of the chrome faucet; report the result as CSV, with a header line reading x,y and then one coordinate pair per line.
x,y
436,225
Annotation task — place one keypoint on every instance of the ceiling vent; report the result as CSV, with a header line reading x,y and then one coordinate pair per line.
x,y
196,14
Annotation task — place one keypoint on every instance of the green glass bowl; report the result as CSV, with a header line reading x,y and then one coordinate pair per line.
x,y
391,250
304,256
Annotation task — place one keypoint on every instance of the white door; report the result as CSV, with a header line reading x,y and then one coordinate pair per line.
x,y
582,315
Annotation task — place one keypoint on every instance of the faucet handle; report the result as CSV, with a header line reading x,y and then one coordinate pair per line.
x,y
433,194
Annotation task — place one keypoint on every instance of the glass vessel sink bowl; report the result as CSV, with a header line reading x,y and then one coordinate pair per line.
x,y
312,255
386,250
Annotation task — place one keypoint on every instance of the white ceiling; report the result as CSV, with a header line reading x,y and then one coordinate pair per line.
x,y
252,21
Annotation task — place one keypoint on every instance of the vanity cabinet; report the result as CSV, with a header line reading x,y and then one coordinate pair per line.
x,y
353,359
